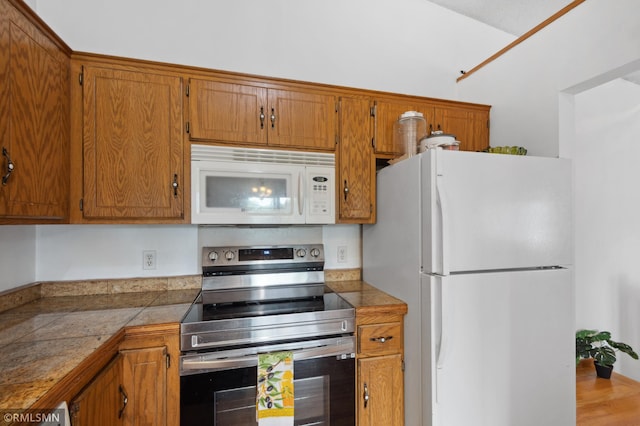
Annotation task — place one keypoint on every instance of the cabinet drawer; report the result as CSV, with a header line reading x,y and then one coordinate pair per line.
x,y
380,338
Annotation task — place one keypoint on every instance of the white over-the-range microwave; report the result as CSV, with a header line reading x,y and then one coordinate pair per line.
x,y
246,186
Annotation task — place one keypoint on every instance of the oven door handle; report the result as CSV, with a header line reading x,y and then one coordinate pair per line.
x,y
218,361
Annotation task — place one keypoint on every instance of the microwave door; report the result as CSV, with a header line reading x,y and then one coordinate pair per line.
x,y
263,194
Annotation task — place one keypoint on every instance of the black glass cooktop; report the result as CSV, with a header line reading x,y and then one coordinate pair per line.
x,y
200,311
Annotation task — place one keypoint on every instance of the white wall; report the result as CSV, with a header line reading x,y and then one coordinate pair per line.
x,y
404,46
607,214
599,37
76,252
17,256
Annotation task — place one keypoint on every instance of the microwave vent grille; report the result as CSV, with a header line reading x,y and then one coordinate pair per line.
x,y
251,155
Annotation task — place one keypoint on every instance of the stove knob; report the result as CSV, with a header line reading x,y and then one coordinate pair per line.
x,y
301,252
229,255
213,256
315,252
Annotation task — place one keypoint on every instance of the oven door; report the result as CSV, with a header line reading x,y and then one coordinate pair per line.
x,y
220,388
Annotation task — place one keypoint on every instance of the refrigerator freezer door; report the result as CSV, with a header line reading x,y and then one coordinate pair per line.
x,y
488,211
503,348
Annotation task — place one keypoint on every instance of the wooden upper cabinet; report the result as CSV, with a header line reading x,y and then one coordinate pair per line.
x,y
34,121
356,173
132,144
470,126
469,123
299,119
387,112
477,131
226,111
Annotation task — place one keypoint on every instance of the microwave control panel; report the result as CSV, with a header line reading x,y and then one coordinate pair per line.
x,y
320,196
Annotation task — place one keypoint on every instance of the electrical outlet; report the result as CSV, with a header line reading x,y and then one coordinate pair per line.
x,y
342,254
149,259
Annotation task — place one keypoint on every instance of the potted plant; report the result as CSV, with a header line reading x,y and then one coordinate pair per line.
x,y
599,346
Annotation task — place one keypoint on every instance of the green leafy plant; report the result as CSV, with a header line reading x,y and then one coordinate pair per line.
x,y
599,346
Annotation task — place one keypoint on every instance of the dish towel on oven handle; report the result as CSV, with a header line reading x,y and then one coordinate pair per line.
x,y
274,400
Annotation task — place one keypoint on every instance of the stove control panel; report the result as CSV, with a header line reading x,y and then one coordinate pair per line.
x,y
278,256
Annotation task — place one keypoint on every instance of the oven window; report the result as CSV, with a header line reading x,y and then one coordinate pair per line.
x,y
324,395
238,406
255,194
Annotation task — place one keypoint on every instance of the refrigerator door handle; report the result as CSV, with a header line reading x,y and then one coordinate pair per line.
x,y
441,196
441,321
444,319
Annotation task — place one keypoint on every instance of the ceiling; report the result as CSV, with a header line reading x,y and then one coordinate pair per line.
x,y
515,17
512,16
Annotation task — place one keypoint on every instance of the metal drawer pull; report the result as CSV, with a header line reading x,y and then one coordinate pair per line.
x,y
381,339
10,166
365,395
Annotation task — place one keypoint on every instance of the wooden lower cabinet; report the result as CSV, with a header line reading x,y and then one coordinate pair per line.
x,y
380,381
144,380
140,386
380,375
99,404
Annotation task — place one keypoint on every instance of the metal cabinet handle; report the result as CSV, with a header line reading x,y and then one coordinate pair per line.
x,y
273,118
346,190
10,166
365,395
175,185
125,400
262,117
381,339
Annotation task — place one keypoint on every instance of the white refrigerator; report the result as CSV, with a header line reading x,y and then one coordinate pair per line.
x,y
479,246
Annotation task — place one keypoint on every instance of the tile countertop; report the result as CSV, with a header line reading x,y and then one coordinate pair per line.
x,y
44,340
366,298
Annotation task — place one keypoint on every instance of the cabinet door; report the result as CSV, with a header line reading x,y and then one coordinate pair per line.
x,y
144,376
355,163
477,137
132,144
471,127
380,392
387,113
298,119
227,112
101,402
34,121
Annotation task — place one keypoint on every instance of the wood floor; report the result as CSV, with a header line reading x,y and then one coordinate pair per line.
x,y
602,402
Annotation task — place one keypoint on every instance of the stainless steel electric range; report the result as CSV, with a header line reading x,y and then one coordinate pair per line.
x,y
266,299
